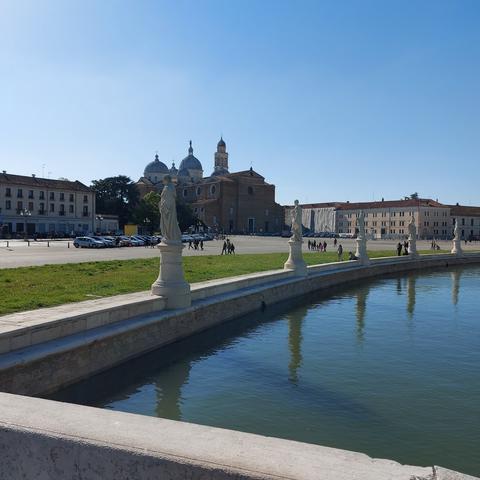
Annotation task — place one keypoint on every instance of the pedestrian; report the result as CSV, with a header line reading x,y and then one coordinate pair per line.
x,y
309,245
405,247
232,248
224,248
324,246
189,244
340,253
351,256
399,249
201,244
335,242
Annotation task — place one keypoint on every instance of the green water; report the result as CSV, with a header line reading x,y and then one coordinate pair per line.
x,y
390,368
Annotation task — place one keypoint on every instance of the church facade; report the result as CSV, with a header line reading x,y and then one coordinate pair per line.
x,y
239,202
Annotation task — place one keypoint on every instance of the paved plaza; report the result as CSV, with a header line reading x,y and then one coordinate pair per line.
x,y
19,254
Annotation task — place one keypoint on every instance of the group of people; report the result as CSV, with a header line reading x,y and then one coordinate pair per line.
x,y
317,247
402,248
435,246
196,244
228,247
351,255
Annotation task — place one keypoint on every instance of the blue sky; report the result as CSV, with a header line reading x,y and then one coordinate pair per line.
x,y
350,100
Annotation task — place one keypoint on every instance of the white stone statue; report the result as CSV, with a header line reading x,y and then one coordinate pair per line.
x,y
361,224
456,231
296,222
361,241
412,237
168,212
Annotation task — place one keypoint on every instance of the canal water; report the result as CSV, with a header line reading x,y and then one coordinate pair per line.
x,y
389,367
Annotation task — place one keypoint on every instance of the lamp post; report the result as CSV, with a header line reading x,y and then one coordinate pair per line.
x,y
25,213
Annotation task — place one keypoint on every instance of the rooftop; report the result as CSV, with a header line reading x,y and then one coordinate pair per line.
x,y
47,183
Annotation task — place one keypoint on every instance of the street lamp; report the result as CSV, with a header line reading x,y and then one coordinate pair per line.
x,y
25,213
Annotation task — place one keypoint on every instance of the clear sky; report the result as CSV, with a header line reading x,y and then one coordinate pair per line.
x,y
338,100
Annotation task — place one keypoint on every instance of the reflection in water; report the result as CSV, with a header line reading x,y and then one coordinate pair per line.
x,y
169,390
295,320
361,307
411,294
399,286
455,276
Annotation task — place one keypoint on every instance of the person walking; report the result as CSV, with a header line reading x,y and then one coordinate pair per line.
x,y
201,244
224,248
340,253
335,242
325,247
399,249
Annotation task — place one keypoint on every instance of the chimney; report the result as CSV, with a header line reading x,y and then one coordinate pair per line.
x,y
33,175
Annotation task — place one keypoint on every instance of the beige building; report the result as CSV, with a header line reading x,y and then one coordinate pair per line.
x,y
40,206
383,219
468,221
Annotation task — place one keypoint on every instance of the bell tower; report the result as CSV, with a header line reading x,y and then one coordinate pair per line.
x,y
221,158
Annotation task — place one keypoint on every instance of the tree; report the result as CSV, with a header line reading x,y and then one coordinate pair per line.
x,y
117,196
146,212
185,216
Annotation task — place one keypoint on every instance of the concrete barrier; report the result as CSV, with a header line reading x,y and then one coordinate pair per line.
x,y
43,439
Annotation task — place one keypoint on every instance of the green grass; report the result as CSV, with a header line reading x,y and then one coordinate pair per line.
x,y
28,288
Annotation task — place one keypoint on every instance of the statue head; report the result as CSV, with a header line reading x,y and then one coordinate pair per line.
x,y
167,179
296,203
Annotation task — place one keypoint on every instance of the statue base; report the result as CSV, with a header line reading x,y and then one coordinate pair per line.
x,y
295,260
457,248
171,283
412,249
361,251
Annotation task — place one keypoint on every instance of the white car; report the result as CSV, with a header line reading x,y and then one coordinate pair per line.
x,y
87,242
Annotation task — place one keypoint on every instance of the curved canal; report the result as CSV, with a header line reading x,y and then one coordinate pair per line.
x,y
389,367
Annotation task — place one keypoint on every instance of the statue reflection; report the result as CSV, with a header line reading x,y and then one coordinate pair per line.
x,y
411,295
169,390
399,286
360,309
295,321
455,276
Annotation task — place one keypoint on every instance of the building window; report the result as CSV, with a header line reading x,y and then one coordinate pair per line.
x,y
185,192
52,207
62,197
62,209
250,190
70,208
30,194
8,205
85,211
19,193
213,189
19,205
85,199
30,206
42,196
463,221
52,195
199,191
71,198
8,192
42,209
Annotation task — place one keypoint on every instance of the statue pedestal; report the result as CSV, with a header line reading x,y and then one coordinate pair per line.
x,y
412,247
457,247
171,283
361,251
295,260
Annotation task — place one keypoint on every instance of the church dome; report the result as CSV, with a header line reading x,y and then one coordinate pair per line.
x,y
173,170
221,143
183,172
155,167
190,162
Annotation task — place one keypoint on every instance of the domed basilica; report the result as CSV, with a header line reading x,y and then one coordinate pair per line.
x,y
240,202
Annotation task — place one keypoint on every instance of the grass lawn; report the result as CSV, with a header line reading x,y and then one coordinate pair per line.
x,y
28,288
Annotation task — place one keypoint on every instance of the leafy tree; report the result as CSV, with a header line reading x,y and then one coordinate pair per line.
x,y
146,212
185,216
117,196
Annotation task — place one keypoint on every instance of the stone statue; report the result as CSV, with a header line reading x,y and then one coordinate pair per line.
x,y
168,212
456,231
412,229
297,222
361,224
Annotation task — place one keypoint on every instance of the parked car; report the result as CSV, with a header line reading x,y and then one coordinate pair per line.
x,y
87,242
106,242
186,238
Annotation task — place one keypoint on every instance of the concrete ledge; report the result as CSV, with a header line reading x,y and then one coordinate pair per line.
x,y
65,441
